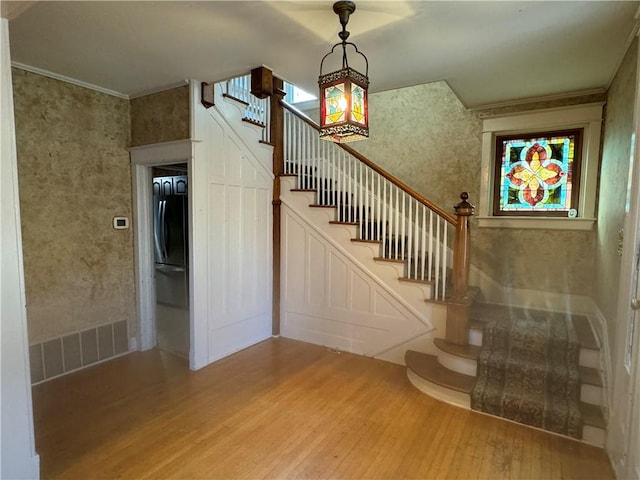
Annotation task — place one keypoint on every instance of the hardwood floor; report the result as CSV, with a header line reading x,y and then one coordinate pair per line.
x,y
281,409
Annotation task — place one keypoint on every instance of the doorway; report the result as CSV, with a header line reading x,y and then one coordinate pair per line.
x,y
175,159
170,189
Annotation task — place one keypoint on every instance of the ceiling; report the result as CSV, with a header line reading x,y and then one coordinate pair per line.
x,y
488,52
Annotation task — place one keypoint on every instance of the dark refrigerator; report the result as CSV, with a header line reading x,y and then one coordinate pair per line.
x,y
170,208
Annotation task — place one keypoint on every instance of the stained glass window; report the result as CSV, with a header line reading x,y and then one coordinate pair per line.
x,y
538,174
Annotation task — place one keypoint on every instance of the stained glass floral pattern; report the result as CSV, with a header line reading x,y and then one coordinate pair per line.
x,y
536,173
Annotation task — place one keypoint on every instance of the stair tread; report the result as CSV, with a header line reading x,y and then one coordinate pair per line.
x,y
477,324
257,123
464,351
532,367
302,190
338,222
590,376
583,331
393,260
364,240
427,366
315,205
416,280
235,99
592,415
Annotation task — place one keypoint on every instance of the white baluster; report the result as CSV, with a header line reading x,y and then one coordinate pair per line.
x,y
437,258
430,268
396,222
404,229
423,243
322,165
444,259
416,250
385,212
341,162
408,200
378,215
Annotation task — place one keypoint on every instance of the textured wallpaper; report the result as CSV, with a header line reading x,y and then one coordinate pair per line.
x,y
160,117
614,174
424,136
74,177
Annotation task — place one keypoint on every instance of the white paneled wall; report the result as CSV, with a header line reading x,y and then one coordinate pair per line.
x,y
329,297
231,190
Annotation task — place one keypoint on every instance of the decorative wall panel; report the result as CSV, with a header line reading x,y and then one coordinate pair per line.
x,y
233,218
329,298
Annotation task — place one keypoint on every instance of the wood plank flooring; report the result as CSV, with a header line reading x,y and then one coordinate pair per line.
x,y
281,409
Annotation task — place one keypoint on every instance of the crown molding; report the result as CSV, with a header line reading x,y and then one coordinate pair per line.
x,y
545,98
63,78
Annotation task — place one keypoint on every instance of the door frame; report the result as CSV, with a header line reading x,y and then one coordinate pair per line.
x,y
143,158
623,430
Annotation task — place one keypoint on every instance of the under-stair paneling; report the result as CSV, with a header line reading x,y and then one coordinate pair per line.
x,y
329,298
236,226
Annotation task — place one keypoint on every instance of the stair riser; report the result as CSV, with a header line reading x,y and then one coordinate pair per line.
x,y
475,337
589,358
591,394
466,366
438,392
593,436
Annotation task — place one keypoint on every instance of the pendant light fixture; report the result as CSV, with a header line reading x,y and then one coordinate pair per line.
x,y
344,109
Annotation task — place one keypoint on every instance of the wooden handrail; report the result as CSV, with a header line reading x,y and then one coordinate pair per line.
x,y
426,202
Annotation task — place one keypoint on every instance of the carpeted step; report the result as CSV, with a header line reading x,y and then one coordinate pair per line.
x,y
519,402
558,377
528,369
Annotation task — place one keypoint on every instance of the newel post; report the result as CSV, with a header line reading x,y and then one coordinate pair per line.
x,y
276,137
458,306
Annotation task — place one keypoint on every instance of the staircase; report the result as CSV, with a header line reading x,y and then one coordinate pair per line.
x,y
533,367
553,385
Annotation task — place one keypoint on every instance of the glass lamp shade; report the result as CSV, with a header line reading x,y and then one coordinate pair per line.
x,y
344,109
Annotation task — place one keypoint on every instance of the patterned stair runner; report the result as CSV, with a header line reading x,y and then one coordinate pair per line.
x,y
528,370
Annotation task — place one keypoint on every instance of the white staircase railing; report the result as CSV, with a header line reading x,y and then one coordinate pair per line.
x,y
257,110
408,227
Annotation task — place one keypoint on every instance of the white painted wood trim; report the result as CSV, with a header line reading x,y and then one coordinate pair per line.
x,y
18,458
142,159
586,116
162,153
143,253
72,81
289,201
550,223
623,442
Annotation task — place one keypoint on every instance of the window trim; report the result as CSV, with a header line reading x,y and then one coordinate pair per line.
x,y
587,117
